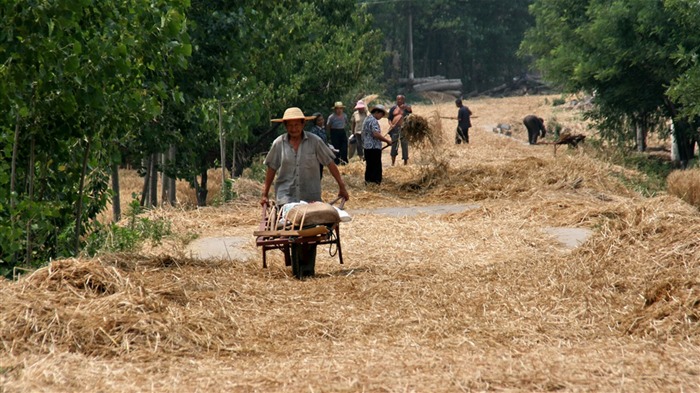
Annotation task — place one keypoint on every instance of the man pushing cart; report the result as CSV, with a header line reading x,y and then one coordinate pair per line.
x,y
292,163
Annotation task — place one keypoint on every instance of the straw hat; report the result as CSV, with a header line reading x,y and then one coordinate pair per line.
x,y
338,104
292,113
379,108
360,105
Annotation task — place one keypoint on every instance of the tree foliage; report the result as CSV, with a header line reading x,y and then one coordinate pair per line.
x,y
89,83
74,76
473,40
627,53
257,58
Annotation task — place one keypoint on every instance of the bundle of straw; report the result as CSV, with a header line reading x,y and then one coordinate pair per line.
x,y
417,130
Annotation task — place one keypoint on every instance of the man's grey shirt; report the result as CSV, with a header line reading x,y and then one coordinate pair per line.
x,y
298,175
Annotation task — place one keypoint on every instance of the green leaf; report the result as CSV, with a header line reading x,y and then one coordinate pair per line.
x,y
72,64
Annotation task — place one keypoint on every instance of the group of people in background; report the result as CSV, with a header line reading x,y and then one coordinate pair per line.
x,y
365,134
366,137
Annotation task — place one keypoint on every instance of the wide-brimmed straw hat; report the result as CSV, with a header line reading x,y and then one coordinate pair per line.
x,y
292,113
360,105
378,108
338,104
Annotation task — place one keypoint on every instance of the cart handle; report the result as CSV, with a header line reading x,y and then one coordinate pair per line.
x,y
342,202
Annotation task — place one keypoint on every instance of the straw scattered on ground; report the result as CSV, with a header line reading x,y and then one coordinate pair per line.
x,y
685,185
480,300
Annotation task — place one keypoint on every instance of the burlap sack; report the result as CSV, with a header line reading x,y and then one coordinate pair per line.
x,y
317,213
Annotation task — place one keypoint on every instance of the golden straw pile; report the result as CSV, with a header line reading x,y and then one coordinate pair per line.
x,y
418,132
482,298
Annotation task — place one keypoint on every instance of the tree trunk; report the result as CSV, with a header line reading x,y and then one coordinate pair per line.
x,y
79,213
172,153
222,143
30,187
13,171
153,192
674,144
234,165
164,179
116,198
683,141
146,181
641,137
202,190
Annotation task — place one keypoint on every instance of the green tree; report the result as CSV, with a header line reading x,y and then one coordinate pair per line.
x,y
624,52
474,40
258,57
74,77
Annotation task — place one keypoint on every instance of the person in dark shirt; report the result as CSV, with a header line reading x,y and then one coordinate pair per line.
x,y
318,130
463,122
336,124
535,127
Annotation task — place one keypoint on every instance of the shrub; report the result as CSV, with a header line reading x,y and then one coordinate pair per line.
x,y
685,185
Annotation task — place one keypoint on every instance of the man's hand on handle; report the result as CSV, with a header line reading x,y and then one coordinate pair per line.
x,y
343,193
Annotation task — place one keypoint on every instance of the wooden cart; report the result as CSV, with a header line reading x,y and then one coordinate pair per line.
x,y
269,237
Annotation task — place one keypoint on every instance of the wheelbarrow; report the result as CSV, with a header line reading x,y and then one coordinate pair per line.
x,y
298,243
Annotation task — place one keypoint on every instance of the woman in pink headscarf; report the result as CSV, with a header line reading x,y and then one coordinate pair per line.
x,y
358,119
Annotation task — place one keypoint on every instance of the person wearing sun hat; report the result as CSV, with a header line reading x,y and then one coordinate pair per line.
x,y
336,124
293,159
372,139
356,123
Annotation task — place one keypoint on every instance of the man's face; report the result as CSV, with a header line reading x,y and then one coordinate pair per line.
x,y
378,115
338,111
294,127
400,100
320,121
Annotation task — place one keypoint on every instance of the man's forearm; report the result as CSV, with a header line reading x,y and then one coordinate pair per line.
x,y
333,169
269,177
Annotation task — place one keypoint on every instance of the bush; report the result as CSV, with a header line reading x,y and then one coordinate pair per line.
x,y
685,185
558,101
115,238
256,170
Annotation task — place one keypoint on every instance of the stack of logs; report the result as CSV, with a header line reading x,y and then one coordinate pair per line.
x,y
434,83
524,85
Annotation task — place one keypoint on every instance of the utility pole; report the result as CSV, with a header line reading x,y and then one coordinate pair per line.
x,y
411,75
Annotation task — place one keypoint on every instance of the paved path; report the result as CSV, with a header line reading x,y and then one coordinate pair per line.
x,y
240,249
410,211
234,249
569,237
